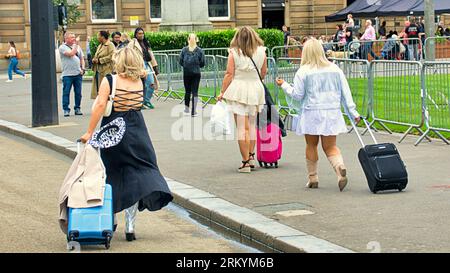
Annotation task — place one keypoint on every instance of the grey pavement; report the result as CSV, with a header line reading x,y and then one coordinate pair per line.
x,y
413,221
30,177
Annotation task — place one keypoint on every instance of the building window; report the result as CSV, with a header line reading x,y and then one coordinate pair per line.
x,y
219,9
155,10
104,10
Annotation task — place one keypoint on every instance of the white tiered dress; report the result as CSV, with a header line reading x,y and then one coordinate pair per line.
x,y
245,95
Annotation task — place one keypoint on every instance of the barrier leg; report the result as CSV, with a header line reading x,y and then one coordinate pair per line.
x,y
371,127
422,137
385,127
421,133
406,134
441,137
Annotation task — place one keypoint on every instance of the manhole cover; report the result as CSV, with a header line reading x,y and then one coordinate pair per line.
x,y
292,209
294,213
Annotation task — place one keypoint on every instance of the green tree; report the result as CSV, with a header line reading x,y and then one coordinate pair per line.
x,y
73,14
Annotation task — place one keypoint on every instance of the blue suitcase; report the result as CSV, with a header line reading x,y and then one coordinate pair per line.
x,y
93,226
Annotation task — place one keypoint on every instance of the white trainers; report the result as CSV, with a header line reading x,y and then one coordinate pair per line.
x,y
8,81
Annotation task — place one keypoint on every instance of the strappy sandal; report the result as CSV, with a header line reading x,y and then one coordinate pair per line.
x,y
245,167
252,161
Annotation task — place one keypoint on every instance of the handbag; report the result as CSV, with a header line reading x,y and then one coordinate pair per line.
x,y
269,109
112,79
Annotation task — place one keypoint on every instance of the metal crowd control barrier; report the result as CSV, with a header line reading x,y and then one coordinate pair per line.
x,y
396,89
208,51
175,78
286,68
221,68
441,47
164,73
357,74
271,77
286,52
208,84
390,49
436,86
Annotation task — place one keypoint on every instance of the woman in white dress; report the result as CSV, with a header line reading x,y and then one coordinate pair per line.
x,y
321,88
243,90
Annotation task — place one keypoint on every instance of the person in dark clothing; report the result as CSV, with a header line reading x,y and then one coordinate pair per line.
x,y
422,36
439,31
126,148
382,30
192,59
413,44
447,32
142,45
287,35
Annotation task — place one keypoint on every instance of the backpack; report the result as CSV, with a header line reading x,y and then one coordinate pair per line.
x,y
18,54
191,58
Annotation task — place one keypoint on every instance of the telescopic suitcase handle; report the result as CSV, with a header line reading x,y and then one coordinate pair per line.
x,y
355,128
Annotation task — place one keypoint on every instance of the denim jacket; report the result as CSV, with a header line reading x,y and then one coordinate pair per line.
x,y
321,89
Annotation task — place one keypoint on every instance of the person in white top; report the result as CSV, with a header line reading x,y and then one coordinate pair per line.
x,y
321,88
350,23
13,62
243,89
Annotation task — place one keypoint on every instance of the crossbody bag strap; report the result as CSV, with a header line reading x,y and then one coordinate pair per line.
x,y
257,70
112,80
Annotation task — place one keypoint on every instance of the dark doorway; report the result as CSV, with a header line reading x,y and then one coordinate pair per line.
x,y
273,18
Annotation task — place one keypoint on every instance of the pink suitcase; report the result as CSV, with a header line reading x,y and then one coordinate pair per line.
x,y
269,145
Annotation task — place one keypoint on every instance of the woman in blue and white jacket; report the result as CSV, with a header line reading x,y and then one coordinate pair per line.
x,y
321,88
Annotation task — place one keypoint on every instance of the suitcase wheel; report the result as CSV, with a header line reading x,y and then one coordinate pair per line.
x,y
276,165
108,242
108,238
400,189
260,164
266,165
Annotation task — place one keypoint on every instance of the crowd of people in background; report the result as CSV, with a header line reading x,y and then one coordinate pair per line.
x,y
349,42
101,63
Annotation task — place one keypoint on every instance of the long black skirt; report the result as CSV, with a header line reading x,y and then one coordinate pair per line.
x,y
132,168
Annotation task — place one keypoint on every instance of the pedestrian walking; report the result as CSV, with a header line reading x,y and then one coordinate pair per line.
x,y
192,59
243,90
320,87
128,155
102,61
142,45
13,56
73,69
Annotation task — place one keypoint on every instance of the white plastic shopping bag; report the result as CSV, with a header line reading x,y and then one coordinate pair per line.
x,y
220,119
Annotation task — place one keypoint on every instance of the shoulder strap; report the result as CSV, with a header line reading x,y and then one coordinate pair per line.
x,y
257,69
109,77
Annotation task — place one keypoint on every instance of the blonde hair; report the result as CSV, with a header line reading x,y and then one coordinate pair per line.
x,y
125,37
193,35
128,63
68,34
247,40
314,55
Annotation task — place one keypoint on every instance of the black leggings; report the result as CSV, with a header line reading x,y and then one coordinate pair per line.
x,y
191,84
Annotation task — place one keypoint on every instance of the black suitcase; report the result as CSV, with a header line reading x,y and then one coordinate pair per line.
x,y
382,165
